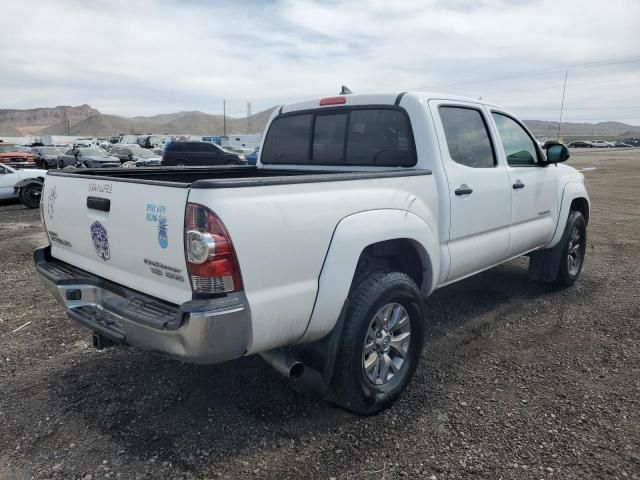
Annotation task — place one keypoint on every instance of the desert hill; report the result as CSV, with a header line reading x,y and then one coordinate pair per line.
x,y
84,120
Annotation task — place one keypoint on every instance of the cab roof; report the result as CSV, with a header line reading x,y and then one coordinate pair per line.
x,y
376,99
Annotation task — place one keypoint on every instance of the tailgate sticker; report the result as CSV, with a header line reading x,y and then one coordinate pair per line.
x,y
169,271
51,202
157,214
100,187
55,238
100,240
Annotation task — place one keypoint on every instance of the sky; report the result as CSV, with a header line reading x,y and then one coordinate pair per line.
x,y
128,57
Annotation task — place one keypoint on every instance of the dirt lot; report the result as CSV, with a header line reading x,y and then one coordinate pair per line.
x,y
517,380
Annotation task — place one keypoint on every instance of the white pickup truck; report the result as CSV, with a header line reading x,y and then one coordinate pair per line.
x,y
319,256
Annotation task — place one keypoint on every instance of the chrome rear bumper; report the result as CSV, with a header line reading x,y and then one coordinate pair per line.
x,y
198,331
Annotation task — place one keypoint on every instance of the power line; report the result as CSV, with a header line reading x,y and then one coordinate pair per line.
x,y
584,84
600,63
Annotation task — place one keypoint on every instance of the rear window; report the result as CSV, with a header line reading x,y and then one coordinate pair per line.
x,y
357,137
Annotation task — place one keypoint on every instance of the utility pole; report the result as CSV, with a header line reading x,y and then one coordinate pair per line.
x,y
224,118
67,127
248,117
564,89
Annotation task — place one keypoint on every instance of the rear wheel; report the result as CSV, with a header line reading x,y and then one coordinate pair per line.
x,y
30,196
381,343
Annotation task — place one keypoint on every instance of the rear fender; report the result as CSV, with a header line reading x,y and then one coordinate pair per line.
x,y
28,181
352,235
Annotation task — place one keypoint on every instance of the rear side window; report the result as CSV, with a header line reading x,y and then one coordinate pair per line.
x,y
199,147
175,147
467,137
356,137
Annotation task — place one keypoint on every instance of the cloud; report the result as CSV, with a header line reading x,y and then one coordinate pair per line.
x,y
148,57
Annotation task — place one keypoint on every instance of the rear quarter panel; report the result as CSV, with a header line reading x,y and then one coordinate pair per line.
x,y
282,234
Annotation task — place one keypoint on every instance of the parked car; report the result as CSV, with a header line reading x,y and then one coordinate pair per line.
x,y
319,258
179,153
580,144
25,184
13,154
243,151
601,144
622,145
252,158
87,157
47,157
135,156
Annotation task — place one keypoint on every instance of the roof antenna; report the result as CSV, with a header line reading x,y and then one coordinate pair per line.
x,y
345,90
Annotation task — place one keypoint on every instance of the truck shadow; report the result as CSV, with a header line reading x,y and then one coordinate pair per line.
x,y
194,416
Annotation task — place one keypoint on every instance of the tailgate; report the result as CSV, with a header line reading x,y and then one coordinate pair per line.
x,y
129,233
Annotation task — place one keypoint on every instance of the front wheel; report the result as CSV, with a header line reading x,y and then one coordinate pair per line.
x,y
380,345
573,250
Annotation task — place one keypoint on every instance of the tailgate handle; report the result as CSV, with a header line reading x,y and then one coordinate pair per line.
x,y
98,203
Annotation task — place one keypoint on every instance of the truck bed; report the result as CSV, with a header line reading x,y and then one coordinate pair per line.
x,y
229,177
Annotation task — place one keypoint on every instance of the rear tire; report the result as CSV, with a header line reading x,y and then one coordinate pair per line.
x,y
359,383
30,196
573,250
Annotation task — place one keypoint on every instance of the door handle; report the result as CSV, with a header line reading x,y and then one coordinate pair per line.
x,y
99,203
518,185
463,190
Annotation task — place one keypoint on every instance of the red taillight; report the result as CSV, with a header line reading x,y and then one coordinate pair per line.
x,y
211,259
333,101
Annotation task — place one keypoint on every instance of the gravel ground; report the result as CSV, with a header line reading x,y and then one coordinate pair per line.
x,y
517,380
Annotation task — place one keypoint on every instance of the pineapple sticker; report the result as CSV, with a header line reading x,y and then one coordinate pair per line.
x,y
162,231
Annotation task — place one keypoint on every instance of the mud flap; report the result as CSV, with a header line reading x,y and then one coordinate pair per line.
x,y
319,358
544,264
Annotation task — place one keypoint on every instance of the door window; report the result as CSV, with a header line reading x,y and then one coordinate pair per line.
x,y
519,147
467,137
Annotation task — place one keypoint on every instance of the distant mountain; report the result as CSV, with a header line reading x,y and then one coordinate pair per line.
x,y
601,129
87,121
101,125
36,119
84,120
9,131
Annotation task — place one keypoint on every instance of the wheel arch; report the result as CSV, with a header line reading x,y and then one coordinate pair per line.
x,y
29,181
397,236
580,204
574,197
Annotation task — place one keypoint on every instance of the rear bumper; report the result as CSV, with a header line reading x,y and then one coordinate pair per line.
x,y
198,331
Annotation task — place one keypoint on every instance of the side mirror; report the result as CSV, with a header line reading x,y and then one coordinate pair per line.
x,y
556,153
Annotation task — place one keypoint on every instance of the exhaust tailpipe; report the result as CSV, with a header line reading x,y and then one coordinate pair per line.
x,y
284,363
